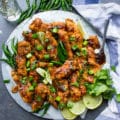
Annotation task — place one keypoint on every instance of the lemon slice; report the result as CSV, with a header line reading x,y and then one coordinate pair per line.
x,y
78,107
92,102
67,114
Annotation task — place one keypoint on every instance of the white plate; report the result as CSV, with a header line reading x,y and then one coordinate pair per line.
x,y
49,16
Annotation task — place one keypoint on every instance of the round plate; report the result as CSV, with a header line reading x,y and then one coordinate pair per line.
x,y
48,16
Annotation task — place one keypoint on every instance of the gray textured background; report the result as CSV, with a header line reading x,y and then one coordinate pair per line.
x,y
9,110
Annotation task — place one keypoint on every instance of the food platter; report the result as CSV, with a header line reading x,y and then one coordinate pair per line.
x,y
49,16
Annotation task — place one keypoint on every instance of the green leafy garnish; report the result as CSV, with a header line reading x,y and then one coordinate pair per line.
x,y
62,53
118,97
102,85
45,108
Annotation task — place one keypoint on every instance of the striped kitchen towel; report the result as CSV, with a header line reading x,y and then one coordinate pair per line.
x,y
97,14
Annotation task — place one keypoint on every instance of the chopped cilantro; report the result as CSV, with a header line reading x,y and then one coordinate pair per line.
x,y
118,97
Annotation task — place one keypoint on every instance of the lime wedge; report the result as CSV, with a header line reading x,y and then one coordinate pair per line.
x,y
78,107
67,114
81,28
92,102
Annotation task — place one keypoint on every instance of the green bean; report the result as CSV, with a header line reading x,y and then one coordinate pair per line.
x,y
48,4
57,6
22,16
68,6
29,13
63,5
13,46
6,51
28,3
52,3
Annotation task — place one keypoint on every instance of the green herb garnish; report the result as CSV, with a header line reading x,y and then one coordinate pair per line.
x,y
54,30
39,47
58,98
52,89
74,47
31,88
69,104
118,97
76,84
6,81
62,53
71,38
46,56
35,35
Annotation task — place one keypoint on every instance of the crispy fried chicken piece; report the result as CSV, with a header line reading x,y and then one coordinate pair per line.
x,y
42,90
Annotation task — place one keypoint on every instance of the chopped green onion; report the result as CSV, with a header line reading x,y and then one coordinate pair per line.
x,y
31,78
58,98
76,84
38,98
56,62
6,81
85,42
23,80
28,69
52,89
31,88
69,104
28,64
72,38
39,47
74,47
47,56
29,55
34,84
90,72
61,105
55,30
46,40
41,36
33,66
51,64
81,71
35,35
77,53
49,47
84,51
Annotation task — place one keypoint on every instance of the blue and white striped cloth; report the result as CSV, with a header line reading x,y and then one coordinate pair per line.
x,y
97,14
